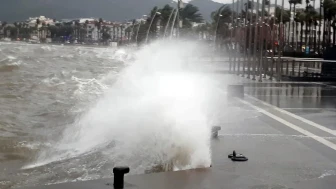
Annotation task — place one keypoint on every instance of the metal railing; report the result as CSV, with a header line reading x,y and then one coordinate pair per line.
x,y
290,68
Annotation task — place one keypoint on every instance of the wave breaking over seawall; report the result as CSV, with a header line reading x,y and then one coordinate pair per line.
x,y
154,115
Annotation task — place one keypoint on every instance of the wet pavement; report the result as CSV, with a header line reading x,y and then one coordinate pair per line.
x,y
313,101
287,130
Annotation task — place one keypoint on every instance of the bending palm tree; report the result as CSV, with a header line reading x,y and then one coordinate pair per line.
x,y
220,19
189,14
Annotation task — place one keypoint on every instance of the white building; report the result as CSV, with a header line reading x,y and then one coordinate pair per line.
x,y
116,30
32,21
92,31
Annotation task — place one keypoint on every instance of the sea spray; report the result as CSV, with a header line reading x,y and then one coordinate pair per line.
x,y
154,114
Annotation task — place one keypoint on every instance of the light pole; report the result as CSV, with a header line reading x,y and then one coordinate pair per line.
x,y
165,31
278,66
250,53
215,37
261,47
150,25
173,25
231,46
255,57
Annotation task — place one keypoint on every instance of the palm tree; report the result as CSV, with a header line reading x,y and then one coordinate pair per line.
x,y
189,14
223,21
131,33
85,27
165,14
329,7
105,34
17,28
315,31
114,33
43,30
38,22
128,31
301,18
311,14
98,24
291,2
121,32
285,16
294,3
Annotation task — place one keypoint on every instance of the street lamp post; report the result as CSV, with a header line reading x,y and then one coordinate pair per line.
x,y
255,57
237,40
231,41
173,25
250,42
261,47
245,59
215,37
150,25
165,31
278,66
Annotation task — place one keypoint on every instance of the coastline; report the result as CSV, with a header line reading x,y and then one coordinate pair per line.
x,y
70,45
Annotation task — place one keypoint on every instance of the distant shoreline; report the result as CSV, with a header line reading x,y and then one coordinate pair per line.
x,y
64,44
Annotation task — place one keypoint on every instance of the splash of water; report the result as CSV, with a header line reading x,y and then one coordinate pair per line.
x,y
154,114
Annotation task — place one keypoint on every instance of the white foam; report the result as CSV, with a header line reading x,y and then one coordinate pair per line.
x,y
328,173
153,114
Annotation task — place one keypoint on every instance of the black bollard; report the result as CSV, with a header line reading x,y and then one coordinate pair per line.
x,y
214,131
119,173
237,157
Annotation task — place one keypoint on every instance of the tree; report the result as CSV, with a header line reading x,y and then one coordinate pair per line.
x,y
53,30
11,31
310,14
189,14
121,32
223,20
106,36
294,3
285,16
98,24
37,27
85,28
77,29
300,17
329,9
166,12
38,22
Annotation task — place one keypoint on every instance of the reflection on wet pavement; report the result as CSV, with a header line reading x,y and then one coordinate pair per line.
x,y
313,101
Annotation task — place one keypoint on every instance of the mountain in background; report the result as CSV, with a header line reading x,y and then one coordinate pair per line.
x,y
115,10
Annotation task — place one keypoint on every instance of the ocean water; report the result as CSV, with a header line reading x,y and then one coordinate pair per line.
x,y
71,113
